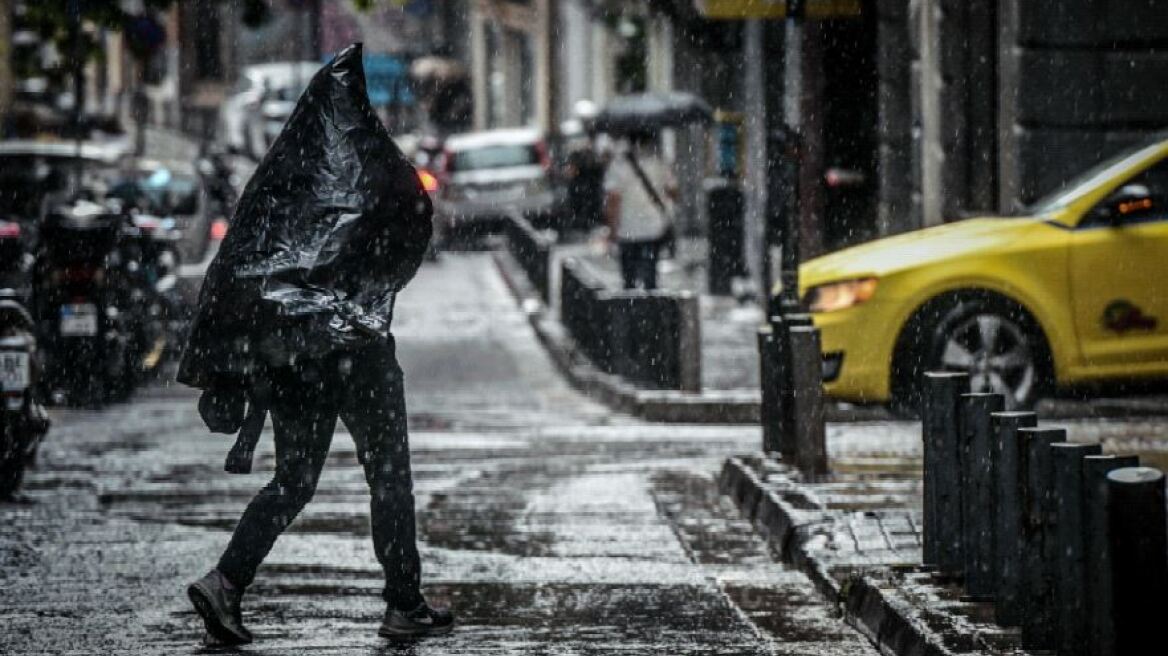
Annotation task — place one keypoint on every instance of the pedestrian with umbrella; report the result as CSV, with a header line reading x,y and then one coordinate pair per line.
x,y
640,188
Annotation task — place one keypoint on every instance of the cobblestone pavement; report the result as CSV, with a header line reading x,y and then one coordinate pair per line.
x,y
549,524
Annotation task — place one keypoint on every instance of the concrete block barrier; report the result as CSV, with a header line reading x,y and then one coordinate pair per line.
x,y
651,339
532,249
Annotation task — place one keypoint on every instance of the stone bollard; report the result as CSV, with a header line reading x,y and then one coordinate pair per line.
x,y
1070,539
1139,558
768,410
1100,624
940,410
1008,596
810,434
1038,621
978,477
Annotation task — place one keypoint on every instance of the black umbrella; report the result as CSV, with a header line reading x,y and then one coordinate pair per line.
x,y
650,111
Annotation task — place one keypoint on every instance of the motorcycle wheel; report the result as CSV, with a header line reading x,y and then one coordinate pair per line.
x,y
11,464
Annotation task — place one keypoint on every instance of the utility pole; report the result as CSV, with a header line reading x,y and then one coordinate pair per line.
x,y
77,55
788,302
754,104
6,77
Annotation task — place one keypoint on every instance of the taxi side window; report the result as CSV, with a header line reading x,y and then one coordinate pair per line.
x,y
1142,199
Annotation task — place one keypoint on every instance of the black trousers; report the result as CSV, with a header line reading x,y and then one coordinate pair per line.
x,y
638,260
365,389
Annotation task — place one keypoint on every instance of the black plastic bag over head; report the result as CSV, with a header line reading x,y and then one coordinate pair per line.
x,y
331,226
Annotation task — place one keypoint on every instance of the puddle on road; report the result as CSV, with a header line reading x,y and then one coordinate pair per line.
x,y
483,514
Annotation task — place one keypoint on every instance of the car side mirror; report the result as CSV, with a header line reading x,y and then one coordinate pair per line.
x,y
1128,201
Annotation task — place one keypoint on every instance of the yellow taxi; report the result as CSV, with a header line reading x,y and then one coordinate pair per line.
x,y
1074,292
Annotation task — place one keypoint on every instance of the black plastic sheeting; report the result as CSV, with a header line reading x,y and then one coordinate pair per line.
x,y
331,226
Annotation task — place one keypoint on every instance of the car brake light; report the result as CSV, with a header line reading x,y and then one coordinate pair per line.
x,y
9,229
218,229
429,182
542,152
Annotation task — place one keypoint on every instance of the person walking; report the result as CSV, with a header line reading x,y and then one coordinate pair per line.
x,y
293,319
640,191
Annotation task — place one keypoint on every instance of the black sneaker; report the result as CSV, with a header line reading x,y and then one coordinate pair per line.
x,y
417,623
219,608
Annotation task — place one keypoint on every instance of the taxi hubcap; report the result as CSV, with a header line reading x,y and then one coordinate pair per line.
x,y
996,354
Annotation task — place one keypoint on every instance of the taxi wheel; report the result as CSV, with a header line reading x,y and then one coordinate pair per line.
x,y
992,339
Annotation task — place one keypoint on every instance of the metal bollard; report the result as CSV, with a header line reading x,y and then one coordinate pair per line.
x,y
978,475
1099,625
1070,539
942,489
1139,557
788,419
1038,620
1008,600
810,434
768,410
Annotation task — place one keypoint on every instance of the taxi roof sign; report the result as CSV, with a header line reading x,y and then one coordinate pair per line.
x,y
745,9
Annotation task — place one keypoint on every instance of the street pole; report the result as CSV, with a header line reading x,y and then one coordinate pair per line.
x,y
6,74
754,103
73,10
793,117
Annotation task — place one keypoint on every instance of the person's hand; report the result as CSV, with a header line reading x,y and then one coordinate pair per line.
x,y
222,407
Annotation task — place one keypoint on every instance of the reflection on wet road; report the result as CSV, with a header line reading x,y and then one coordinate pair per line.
x,y
550,525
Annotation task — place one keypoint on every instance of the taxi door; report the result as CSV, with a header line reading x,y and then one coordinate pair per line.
x,y
1119,277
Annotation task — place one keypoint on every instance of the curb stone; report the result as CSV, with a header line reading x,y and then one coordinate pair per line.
x,y
899,607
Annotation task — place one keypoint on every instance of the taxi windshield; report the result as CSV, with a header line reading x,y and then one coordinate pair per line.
x,y
1089,180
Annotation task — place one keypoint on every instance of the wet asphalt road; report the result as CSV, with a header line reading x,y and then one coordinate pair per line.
x,y
549,524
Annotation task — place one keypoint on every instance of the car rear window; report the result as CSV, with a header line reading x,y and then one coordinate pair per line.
x,y
493,157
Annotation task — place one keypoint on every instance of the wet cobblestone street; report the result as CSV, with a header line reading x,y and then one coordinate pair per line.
x,y
548,523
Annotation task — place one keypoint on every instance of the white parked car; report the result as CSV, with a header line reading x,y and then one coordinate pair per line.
x,y
261,101
482,177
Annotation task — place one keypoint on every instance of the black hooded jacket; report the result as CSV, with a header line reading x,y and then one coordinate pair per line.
x,y
331,226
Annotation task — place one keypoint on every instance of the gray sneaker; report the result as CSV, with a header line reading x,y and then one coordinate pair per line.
x,y
417,623
219,608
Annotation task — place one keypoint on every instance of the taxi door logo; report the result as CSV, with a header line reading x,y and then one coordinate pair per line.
x,y
1122,316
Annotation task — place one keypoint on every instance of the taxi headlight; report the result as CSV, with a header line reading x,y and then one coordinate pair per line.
x,y
840,295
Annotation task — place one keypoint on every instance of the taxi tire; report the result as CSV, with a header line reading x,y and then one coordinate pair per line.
x,y
921,342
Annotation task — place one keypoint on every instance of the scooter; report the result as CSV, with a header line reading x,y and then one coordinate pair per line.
x,y
148,259
23,420
79,305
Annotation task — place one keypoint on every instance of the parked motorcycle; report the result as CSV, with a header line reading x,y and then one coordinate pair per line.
x,y
23,420
16,259
147,258
79,305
